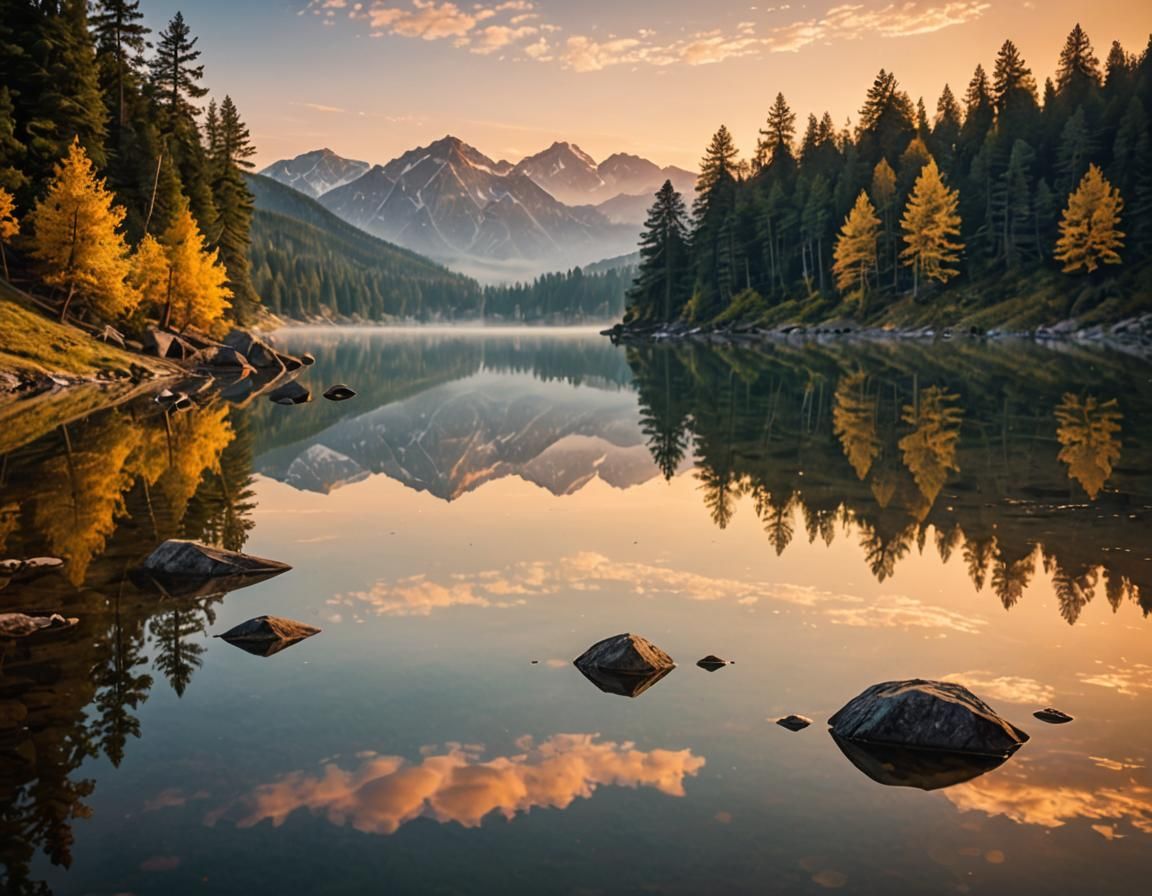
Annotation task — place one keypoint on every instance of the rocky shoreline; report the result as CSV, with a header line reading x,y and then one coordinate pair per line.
x,y
1132,335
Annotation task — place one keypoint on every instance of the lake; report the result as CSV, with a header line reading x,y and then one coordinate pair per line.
x,y
826,515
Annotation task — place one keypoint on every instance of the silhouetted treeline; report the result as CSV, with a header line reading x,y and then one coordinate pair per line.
x,y
561,297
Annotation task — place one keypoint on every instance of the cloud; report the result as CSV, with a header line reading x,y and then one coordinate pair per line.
x,y
1008,688
1128,680
1049,797
507,28
583,571
899,611
455,785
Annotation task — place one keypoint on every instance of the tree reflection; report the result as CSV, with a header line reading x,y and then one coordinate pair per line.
x,y
904,460
1088,433
101,493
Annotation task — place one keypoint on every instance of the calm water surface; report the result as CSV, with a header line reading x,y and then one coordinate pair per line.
x,y
488,506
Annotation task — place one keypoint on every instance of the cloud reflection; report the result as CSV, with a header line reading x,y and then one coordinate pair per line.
x,y
455,784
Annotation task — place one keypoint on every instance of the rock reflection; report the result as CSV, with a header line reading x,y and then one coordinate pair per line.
x,y
456,785
922,769
620,683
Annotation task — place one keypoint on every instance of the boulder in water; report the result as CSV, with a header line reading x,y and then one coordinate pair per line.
x,y
307,359
266,635
259,354
167,345
711,662
290,393
180,557
926,715
1052,716
627,654
220,358
339,392
794,722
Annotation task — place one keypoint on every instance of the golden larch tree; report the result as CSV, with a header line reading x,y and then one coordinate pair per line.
x,y
9,226
77,240
1089,433
931,225
180,277
1090,232
855,252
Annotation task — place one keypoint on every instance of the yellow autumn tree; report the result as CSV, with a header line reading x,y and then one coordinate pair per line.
x,y
1090,233
9,226
1088,433
76,238
931,229
929,451
855,252
180,278
854,421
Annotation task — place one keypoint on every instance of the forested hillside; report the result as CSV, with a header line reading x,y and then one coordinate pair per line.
x,y
122,195
309,264
1035,204
592,293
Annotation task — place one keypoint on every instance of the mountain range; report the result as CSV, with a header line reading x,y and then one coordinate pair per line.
x,y
449,201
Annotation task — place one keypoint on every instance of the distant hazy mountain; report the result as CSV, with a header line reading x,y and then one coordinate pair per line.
x,y
451,202
316,172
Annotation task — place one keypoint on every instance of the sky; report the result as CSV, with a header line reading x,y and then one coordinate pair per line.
x,y
370,79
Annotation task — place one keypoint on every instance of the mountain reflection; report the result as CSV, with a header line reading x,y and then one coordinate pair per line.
x,y
101,493
455,785
902,444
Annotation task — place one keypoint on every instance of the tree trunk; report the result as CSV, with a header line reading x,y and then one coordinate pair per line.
x,y
67,301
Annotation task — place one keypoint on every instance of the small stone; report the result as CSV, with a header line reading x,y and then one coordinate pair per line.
x,y
266,635
794,722
1052,716
626,653
21,625
711,663
339,392
307,359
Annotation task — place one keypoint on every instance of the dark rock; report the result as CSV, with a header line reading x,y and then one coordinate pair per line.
x,y
290,363
627,653
794,722
623,684
290,393
167,345
259,354
711,662
21,625
922,769
339,392
266,635
926,715
1052,716
220,357
179,557
307,359
26,570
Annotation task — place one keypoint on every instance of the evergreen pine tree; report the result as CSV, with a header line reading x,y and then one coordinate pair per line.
x,y
662,280
774,146
1078,72
9,226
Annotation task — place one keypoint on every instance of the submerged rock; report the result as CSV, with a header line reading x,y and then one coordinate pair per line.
x,y
922,769
711,662
1052,716
627,653
290,393
926,715
21,625
179,557
307,359
794,722
339,392
266,635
